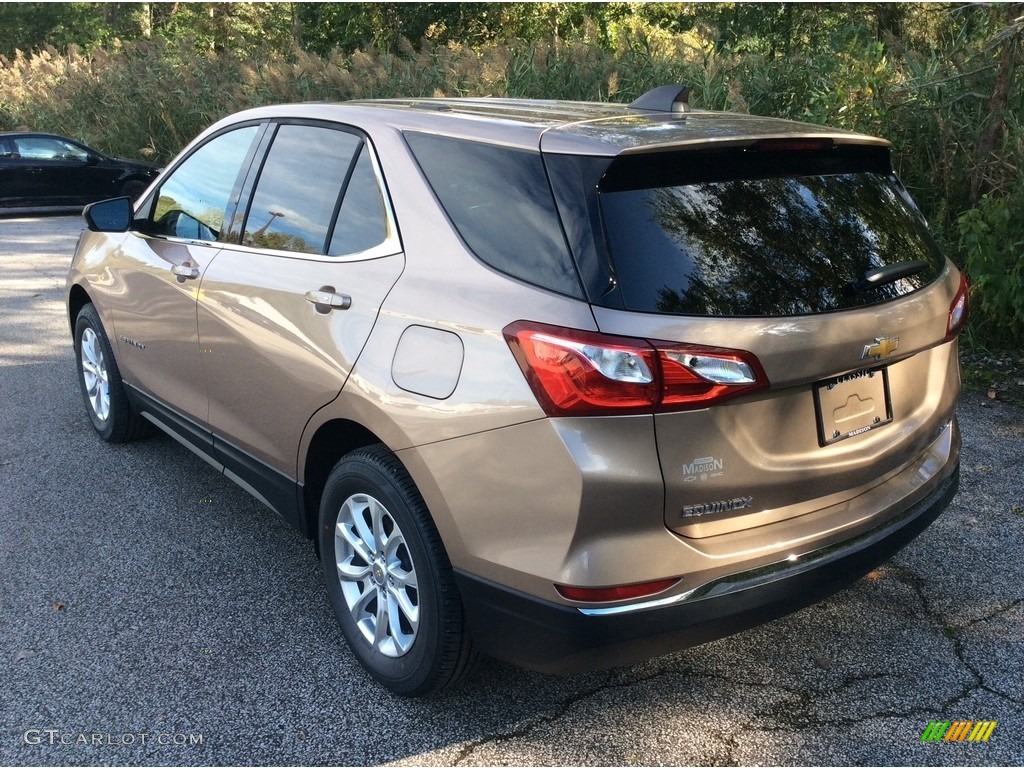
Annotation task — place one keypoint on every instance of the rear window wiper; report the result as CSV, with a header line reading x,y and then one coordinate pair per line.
x,y
890,273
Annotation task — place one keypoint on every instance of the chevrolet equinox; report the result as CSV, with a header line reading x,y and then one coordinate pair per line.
x,y
569,384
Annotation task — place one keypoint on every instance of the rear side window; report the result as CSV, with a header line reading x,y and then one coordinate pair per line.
x,y
500,203
362,221
298,189
792,234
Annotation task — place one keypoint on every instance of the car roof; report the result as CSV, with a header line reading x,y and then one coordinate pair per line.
x,y
566,127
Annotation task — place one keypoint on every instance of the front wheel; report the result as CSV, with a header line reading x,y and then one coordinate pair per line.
x,y
106,400
132,189
389,578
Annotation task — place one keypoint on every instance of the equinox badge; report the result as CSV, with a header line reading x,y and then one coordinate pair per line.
x,y
698,510
882,347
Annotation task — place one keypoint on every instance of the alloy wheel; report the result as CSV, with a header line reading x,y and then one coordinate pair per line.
x,y
95,375
377,575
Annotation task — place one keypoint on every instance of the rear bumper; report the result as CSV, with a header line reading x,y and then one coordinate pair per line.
x,y
559,639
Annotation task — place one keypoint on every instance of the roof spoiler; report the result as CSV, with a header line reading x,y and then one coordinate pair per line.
x,y
665,98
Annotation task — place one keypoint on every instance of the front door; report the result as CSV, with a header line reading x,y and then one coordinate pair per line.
x,y
161,267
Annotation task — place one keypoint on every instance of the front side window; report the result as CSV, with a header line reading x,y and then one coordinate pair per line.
x,y
192,201
43,148
298,190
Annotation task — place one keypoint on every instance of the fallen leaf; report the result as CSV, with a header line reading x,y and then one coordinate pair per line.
x,y
59,606
25,655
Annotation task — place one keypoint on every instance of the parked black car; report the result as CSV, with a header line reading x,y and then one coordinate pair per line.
x,y
41,169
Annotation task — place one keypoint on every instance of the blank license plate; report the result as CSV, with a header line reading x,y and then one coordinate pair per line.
x,y
851,404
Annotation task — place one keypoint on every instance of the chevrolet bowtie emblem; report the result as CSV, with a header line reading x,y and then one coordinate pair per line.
x,y
882,347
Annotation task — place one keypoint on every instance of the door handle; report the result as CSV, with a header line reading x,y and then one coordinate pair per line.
x,y
185,272
326,299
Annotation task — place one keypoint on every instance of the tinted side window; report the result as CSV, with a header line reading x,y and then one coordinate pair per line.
x,y
192,201
362,221
297,191
500,202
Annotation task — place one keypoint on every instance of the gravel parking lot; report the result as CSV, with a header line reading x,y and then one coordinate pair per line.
x,y
152,610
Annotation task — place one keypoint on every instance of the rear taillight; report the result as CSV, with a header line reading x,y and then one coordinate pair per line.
x,y
958,310
583,373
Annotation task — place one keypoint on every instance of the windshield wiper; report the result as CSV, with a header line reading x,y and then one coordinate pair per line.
x,y
875,278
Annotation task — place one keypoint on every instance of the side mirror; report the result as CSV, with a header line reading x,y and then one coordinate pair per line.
x,y
109,215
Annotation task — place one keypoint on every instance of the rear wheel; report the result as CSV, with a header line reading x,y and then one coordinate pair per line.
x,y
106,402
389,578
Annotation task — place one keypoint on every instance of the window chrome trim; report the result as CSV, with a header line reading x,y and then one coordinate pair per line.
x,y
391,246
388,248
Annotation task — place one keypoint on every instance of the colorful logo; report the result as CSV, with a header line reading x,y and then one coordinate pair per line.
x,y
958,730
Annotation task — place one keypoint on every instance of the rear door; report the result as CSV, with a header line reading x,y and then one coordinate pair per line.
x,y
23,161
812,259
284,314
13,174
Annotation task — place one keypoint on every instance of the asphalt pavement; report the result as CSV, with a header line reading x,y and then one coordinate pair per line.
x,y
152,613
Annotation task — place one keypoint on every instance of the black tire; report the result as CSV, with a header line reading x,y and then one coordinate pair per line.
x,y
407,659
132,188
113,417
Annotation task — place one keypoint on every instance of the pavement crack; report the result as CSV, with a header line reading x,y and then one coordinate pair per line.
x,y
525,728
994,614
952,633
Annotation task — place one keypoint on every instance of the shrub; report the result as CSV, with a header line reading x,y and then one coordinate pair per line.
x,y
991,236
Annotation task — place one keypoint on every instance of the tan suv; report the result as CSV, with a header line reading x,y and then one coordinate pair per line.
x,y
569,384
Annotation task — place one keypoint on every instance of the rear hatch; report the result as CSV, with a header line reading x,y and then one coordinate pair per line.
x,y
798,274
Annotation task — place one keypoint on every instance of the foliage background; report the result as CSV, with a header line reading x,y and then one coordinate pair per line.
x,y
942,81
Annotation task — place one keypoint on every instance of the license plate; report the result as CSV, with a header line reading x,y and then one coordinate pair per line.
x,y
851,404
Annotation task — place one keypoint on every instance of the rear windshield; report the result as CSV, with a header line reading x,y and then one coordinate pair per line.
x,y
742,234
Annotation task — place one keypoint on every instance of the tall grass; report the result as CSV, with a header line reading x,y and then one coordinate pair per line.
x,y
149,98
153,96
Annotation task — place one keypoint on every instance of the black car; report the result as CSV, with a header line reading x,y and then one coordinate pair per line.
x,y
41,169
